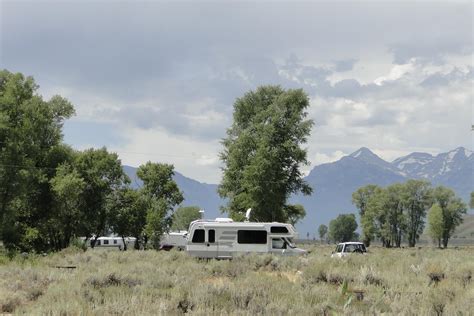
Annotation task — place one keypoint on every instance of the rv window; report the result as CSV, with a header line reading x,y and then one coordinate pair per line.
x,y
106,242
212,235
115,241
279,230
198,235
278,243
252,236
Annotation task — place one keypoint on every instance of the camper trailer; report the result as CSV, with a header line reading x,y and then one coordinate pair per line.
x,y
223,238
113,242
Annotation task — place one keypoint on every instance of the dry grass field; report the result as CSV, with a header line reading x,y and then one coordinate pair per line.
x,y
424,281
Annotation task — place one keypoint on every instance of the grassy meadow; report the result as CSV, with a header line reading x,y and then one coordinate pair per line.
x,y
420,281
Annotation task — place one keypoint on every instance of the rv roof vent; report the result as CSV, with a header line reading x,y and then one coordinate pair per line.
x,y
224,220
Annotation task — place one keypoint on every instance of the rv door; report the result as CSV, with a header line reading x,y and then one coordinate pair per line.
x,y
211,244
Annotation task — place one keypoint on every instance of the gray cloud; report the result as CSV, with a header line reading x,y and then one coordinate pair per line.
x,y
344,65
178,67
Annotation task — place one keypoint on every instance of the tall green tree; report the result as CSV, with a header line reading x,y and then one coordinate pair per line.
x,y
435,223
294,213
342,228
361,199
68,188
30,141
322,231
103,175
392,211
163,195
127,214
263,153
183,216
471,202
417,199
452,209
384,217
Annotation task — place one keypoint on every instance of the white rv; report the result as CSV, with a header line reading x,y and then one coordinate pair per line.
x,y
223,238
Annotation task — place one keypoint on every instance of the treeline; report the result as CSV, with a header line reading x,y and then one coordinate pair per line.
x,y
399,211
50,193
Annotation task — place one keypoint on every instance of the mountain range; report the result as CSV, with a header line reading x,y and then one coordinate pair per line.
x,y
333,183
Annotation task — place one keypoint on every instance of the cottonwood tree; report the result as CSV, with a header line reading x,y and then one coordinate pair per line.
x,y
361,199
263,153
30,138
162,195
417,199
294,213
68,188
452,210
128,210
435,223
183,216
103,174
342,228
322,231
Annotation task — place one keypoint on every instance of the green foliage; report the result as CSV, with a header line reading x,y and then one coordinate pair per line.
x,y
399,210
30,151
103,174
435,223
67,187
342,228
162,194
471,202
183,216
322,231
362,199
452,209
262,154
127,213
294,213
417,199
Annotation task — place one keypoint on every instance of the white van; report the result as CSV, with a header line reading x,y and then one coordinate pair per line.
x,y
223,238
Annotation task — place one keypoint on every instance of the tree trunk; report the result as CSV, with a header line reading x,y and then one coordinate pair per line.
x,y
445,242
124,244
93,241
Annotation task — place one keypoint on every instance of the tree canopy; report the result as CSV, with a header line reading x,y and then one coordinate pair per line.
x,y
399,210
343,228
162,194
184,215
263,154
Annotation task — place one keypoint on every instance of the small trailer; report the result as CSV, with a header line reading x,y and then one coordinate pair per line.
x,y
112,242
223,238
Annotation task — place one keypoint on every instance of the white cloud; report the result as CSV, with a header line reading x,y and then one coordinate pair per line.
x,y
191,157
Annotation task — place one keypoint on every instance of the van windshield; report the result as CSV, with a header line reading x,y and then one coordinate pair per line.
x,y
289,242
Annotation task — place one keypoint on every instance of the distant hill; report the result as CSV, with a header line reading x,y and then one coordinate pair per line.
x,y
333,183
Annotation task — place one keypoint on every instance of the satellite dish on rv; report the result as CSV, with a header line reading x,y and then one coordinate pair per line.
x,y
247,214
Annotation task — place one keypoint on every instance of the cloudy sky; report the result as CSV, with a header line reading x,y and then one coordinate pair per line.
x,y
157,80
